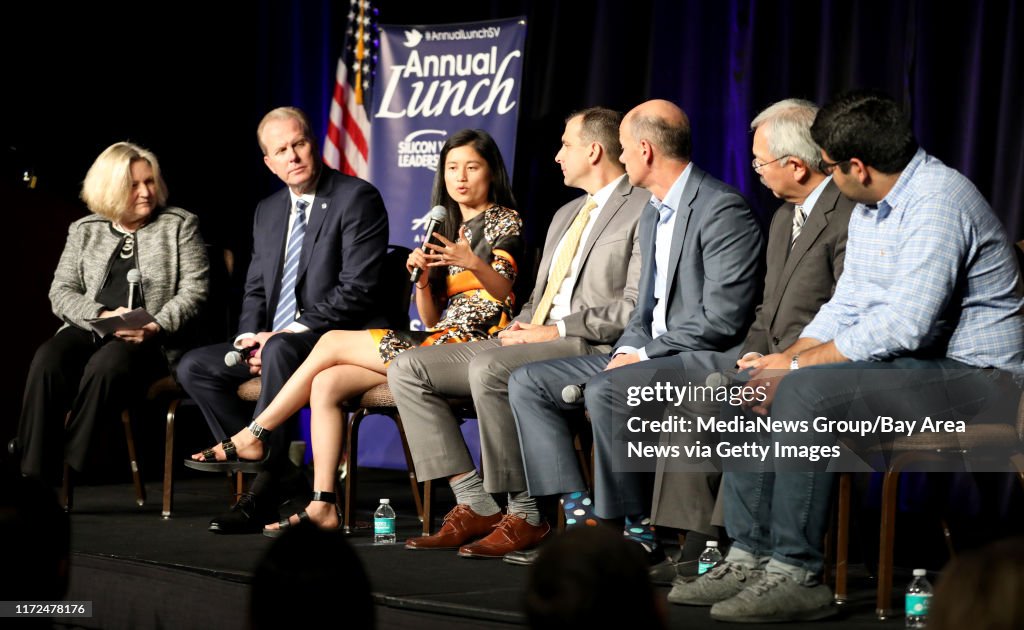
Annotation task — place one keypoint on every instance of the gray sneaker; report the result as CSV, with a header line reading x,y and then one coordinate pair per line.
x,y
776,597
723,581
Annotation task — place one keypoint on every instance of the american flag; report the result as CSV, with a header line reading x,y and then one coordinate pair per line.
x,y
348,132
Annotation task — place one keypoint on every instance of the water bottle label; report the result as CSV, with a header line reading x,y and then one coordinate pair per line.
x,y
917,605
383,526
704,567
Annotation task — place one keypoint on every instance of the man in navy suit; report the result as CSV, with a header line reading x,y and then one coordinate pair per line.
x,y
343,243
701,270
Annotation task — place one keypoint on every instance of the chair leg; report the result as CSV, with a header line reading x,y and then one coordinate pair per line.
x,y
1017,459
351,454
887,533
428,506
413,482
172,410
140,490
947,536
843,537
67,490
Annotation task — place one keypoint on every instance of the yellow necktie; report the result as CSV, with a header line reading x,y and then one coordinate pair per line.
x,y
561,266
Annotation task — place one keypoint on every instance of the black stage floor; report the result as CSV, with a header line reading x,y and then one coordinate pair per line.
x,y
142,571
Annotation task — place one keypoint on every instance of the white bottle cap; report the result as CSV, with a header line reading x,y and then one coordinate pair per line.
x,y
385,501
712,543
920,573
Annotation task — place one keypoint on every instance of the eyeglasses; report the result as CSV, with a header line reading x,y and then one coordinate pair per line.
x,y
827,167
759,165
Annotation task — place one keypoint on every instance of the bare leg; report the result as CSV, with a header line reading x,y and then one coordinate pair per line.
x,y
335,348
331,387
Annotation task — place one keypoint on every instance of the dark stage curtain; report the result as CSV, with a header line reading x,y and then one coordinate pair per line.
x,y
191,79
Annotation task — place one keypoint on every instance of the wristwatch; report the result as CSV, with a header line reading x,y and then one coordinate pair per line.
x,y
794,363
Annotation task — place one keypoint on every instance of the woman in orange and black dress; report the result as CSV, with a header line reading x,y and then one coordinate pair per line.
x,y
464,296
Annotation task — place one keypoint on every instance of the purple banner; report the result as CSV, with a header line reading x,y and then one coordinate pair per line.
x,y
433,80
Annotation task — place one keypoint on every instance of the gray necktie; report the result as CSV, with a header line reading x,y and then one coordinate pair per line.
x,y
798,223
286,303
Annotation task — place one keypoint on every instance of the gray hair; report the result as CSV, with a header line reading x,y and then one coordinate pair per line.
x,y
672,139
788,130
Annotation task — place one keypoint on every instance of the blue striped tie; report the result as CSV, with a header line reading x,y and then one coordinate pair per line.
x,y
286,305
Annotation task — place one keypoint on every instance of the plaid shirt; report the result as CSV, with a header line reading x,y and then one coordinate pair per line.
x,y
929,272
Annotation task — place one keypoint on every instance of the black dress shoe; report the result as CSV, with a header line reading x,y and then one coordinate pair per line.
x,y
669,572
247,516
522,558
663,573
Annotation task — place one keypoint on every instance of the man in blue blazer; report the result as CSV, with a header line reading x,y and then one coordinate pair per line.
x,y
700,277
335,229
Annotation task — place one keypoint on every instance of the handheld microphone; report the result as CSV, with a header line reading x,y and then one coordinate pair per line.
x,y
134,276
234,357
725,378
573,393
438,215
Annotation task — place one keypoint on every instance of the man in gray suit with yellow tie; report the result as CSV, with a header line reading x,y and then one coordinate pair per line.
x,y
701,274
586,289
805,260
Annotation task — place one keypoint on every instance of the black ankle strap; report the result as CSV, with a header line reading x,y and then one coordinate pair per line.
x,y
326,497
262,434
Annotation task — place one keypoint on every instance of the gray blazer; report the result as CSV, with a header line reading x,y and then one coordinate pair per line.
x,y
714,272
800,279
606,286
172,261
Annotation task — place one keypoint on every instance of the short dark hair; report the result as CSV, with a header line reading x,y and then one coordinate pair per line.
x,y
866,125
589,577
600,125
318,568
981,588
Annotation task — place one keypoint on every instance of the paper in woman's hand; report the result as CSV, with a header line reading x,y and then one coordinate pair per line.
x,y
131,320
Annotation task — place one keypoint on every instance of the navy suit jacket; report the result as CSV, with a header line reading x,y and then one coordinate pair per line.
x,y
346,239
714,273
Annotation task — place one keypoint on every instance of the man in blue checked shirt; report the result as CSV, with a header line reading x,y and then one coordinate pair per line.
x,y
929,303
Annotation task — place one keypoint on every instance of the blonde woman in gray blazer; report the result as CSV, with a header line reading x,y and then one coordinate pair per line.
x,y
129,230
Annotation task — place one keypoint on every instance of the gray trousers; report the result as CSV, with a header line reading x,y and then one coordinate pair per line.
x,y
687,500
549,454
422,379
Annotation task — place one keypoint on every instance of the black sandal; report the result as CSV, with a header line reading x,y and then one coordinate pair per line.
x,y
285,524
233,463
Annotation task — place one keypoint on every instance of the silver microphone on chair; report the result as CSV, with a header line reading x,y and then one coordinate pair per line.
x,y
573,393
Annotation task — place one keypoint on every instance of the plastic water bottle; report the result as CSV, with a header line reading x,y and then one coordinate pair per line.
x,y
919,596
709,557
384,524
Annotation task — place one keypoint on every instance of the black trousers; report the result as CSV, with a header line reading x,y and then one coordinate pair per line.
x,y
93,380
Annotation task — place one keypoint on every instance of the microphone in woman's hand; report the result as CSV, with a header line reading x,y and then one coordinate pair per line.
x,y
435,220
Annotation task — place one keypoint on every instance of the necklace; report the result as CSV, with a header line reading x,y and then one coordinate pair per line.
x,y
128,244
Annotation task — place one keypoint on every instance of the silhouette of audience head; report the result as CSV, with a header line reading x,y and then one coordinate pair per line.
x,y
311,578
37,535
591,577
981,589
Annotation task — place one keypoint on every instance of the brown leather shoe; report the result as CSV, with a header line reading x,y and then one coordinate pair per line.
x,y
511,534
460,526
